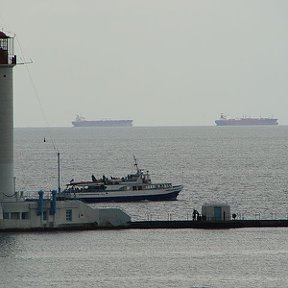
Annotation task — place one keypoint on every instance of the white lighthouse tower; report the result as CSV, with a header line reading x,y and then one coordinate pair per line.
x,y
7,63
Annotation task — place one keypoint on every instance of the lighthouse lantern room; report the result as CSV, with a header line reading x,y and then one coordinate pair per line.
x,y
7,49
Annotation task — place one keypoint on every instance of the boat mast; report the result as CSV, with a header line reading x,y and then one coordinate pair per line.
x,y
58,157
136,164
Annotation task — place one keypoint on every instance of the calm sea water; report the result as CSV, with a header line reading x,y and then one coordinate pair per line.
x,y
245,167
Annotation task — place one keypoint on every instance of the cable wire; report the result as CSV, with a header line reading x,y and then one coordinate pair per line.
x,y
36,94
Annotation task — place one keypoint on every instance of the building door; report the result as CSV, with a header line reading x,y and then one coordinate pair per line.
x,y
217,213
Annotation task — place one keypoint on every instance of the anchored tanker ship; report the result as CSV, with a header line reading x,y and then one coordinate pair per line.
x,y
245,121
82,122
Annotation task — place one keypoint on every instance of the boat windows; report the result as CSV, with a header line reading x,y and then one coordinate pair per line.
x,y
137,188
6,215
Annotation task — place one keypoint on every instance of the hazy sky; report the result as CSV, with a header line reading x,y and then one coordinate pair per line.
x,y
158,62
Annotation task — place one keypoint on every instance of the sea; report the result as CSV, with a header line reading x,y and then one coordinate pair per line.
x,y
244,167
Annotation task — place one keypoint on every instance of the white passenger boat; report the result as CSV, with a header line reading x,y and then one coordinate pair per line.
x,y
133,187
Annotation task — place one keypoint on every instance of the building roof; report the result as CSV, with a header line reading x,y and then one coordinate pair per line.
x,y
3,35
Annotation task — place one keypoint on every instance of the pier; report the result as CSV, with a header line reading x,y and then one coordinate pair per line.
x,y
188,224
175,224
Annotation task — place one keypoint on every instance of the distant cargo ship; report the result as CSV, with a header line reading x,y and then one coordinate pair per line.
x,y
80,121
245,121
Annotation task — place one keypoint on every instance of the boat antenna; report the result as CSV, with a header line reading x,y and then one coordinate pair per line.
x,y
59,173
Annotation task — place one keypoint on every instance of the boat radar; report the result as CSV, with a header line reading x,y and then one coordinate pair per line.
x,y
43,214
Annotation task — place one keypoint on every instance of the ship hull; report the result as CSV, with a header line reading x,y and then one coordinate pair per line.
x,y
115,196
246,122
103,123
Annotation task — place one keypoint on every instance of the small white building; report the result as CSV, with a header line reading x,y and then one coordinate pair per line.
x,y
216,212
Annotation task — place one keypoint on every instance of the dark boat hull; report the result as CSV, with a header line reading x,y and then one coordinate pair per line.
x,y
103,123
247,122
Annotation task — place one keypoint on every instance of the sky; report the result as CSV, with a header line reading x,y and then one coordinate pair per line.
x,y
158,62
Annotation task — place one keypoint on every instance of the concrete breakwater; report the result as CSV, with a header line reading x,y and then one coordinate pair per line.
x,y
176,224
